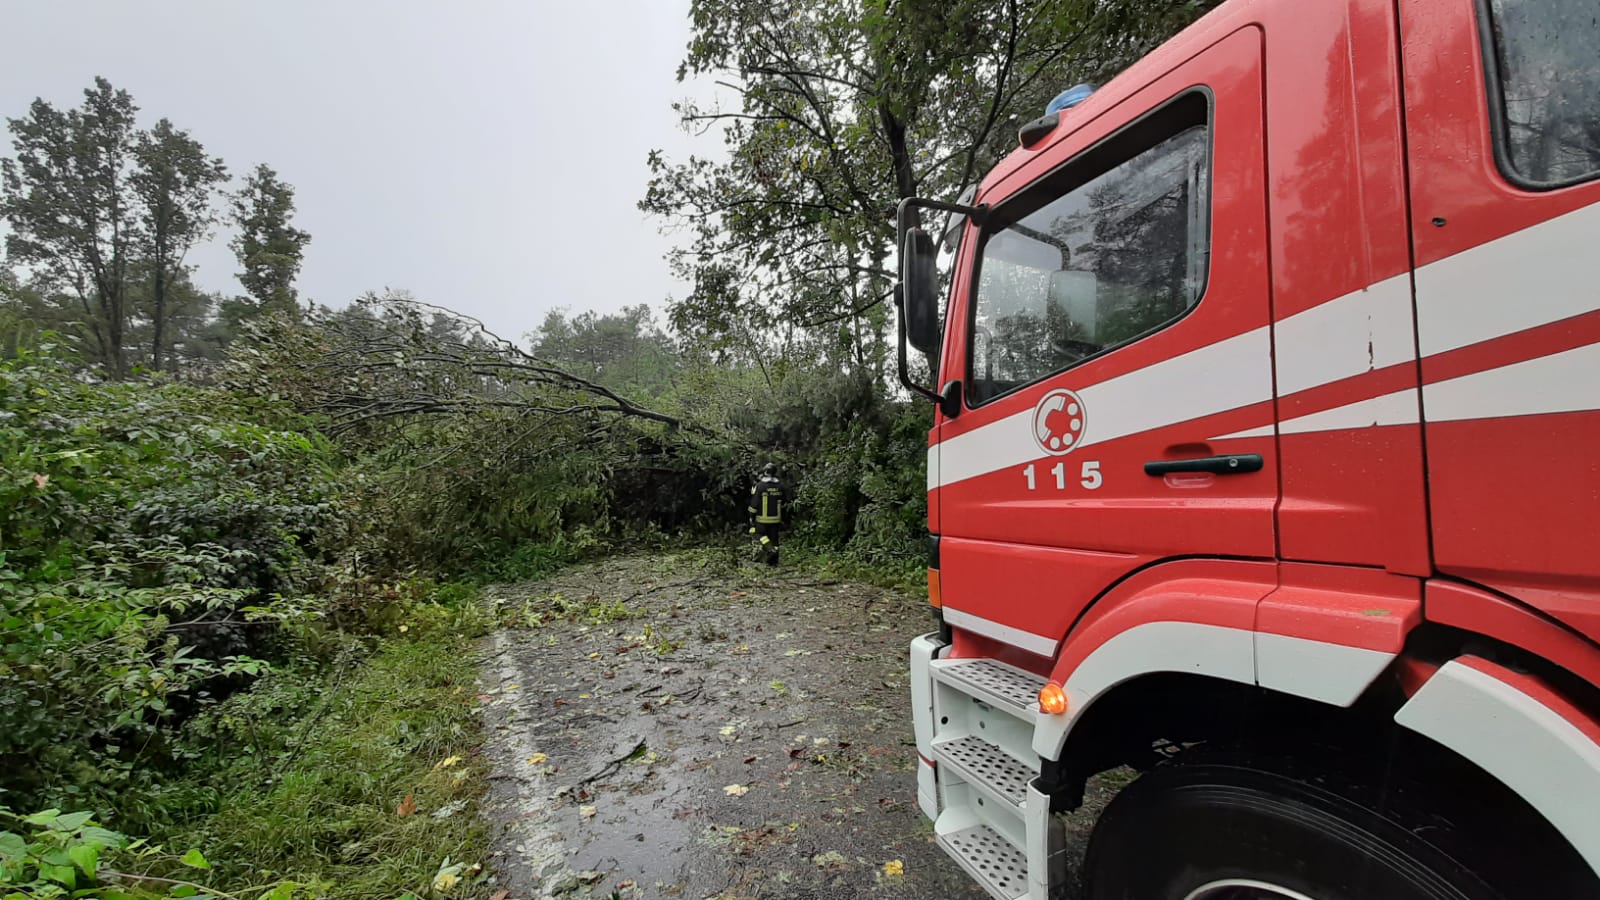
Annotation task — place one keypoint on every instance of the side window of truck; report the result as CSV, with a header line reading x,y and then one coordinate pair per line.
x,y
1091,258
1544,74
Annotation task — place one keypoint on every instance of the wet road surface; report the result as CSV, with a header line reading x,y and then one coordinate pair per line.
x,y
671,726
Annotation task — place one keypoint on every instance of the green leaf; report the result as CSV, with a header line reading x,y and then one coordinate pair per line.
x,y
102,837
85,857
12,847
42,818
71,821
194,859
62,875
184,890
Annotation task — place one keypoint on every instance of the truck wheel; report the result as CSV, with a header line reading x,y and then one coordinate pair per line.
x,y
1229,827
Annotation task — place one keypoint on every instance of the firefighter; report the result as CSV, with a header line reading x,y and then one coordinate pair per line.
x,y
767,500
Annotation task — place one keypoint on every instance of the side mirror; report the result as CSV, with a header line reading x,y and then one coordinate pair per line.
x,y
917,294
919,279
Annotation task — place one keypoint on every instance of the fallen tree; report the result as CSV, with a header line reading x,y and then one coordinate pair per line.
x,y
392,357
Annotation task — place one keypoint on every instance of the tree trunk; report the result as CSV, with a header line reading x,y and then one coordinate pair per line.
x,y
160,326
119,368
905,181
894,132
109,300
112,293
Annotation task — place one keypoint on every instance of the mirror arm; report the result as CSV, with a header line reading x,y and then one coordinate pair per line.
x,y
909,206
905,372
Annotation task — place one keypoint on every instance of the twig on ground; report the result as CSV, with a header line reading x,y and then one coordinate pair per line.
x,y
612,767
495,655
587,717
791,724
111,875
691,583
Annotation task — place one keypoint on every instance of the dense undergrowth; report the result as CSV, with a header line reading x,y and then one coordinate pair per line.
x,y
223,631
193,657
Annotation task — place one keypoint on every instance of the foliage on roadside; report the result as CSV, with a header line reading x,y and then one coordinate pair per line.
x,y
50,854
353,777
357,778
465,448
157,540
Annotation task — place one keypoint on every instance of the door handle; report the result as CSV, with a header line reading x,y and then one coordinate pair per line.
x,y
1231,464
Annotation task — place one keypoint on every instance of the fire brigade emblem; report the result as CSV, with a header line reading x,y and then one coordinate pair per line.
x,y
1058,422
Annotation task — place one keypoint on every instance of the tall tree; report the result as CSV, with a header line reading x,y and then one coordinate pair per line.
x,y
269,249
625,351
174,180
844,107
66,196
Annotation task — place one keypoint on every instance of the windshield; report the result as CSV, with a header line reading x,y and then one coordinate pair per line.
x,y
1120,255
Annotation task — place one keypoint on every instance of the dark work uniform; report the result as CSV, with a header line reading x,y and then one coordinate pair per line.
x,y
767,500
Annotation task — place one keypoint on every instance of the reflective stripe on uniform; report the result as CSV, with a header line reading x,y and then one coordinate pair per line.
x,y
768,515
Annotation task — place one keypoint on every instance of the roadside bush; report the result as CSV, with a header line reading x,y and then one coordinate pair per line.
x,y
51,854
153,539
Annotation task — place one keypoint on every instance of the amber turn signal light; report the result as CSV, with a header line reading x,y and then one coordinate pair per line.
x,y
1052,699
934,597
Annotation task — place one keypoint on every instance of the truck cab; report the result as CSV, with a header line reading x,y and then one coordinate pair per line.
x,y
1267,390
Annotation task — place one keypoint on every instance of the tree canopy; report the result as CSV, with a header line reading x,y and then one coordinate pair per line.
x,y
270,250
102,215
839,109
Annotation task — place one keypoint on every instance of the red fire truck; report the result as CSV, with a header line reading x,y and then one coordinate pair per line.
x,y
1266,466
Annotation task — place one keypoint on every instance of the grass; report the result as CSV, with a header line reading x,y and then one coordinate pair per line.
x,y
377,782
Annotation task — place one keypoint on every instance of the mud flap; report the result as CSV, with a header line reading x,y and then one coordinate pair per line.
x,y
1047,856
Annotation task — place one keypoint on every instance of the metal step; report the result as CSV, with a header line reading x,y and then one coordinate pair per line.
x,y
990,859
1006,688
987,767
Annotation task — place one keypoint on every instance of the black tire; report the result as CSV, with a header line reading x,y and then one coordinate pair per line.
x,y
1326,836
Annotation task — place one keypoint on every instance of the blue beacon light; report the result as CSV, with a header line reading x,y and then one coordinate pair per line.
x,y
1069,98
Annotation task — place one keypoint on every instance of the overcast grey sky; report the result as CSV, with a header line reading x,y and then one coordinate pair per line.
x,y
485,154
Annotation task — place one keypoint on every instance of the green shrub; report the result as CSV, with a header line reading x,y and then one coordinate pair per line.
x,y
154,539
52,854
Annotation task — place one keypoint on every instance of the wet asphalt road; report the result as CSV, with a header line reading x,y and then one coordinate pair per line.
x,y
741,733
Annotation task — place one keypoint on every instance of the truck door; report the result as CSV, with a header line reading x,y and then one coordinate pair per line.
x,y
1116,321
1503,131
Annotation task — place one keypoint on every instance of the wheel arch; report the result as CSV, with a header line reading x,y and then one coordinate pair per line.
x,y
1323,633
1155,719
1518,729
1213,651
